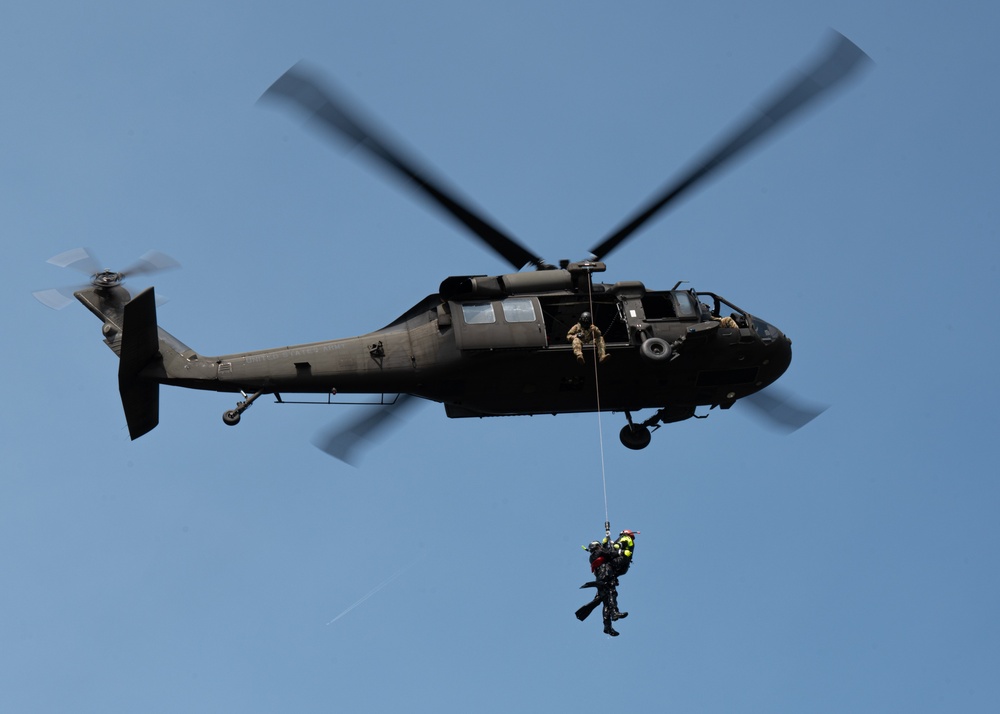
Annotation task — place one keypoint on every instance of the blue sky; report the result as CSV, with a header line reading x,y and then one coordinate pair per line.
x,y
849,566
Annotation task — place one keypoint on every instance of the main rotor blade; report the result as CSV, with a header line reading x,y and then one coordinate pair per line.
x,y
841,59
346,442
781,410
335,114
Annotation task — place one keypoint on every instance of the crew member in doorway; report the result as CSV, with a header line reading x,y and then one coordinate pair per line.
x,y
726,322
586,332
714,315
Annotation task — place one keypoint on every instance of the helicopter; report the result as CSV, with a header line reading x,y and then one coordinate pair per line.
x,y
486,345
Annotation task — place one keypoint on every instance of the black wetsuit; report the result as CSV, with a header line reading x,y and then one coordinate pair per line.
x,y
602,566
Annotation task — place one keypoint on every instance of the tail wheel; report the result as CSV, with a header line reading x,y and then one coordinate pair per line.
x,y
635,437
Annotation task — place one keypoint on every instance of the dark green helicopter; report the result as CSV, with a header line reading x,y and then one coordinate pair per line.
x,y
488,345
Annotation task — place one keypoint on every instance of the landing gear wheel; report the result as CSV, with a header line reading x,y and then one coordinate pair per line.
x,y
655,350
232,416
635,437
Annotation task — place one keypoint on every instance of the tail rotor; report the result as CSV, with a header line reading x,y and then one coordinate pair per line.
x,y
81,260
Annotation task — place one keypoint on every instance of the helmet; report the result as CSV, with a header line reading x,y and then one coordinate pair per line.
x,y
594,545
630,534
586,319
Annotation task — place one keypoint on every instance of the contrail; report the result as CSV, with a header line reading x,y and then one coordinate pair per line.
x,y
378,587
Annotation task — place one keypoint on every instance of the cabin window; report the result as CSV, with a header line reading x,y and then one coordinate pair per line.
x,y
518,310
658,306
478,313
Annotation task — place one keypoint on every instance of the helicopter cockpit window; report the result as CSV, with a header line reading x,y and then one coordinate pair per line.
x,y
478,313
766,331
518,310
685,304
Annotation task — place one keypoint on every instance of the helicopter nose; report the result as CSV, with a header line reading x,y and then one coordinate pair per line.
x,y
780,356
778,348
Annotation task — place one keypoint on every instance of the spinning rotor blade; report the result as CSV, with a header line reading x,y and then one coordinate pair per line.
x,y
56,299
152,262
81,260
781,410
841,59
334,112
347,441
78,259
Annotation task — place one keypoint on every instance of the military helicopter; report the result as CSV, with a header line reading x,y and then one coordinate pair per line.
x,y
486,345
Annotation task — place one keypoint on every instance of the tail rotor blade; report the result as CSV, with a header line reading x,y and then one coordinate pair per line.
x,y
78,259
56,299
151,262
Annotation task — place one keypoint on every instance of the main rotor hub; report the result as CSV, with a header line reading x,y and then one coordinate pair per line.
x,y
586,266
106,279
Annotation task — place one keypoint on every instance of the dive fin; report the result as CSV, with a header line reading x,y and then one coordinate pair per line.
x,y
591,584
140,345
584,612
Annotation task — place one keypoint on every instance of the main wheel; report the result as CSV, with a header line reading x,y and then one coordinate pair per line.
x,y
635,437
655,350
231,417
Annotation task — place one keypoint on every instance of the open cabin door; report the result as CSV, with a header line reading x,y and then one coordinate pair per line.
x,y
510,323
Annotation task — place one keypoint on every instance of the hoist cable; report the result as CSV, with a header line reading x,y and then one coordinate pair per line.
x,y
597,392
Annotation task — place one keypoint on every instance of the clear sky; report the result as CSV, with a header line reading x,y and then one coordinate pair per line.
x,y
850,566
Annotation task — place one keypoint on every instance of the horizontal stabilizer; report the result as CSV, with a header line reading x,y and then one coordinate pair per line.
x,y
140,346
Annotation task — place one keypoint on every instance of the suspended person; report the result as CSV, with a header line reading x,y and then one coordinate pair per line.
x,y
623,547
620,560
586,332
601,559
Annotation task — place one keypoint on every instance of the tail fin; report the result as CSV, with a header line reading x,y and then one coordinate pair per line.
x,y
148,356
140,345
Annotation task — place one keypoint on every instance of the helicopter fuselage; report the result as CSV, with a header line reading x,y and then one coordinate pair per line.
x,y
497,346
